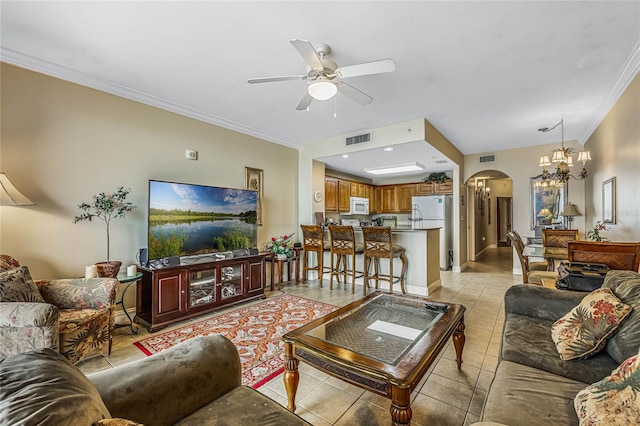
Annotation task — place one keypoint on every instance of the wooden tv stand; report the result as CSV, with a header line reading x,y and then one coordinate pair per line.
x,y
171,294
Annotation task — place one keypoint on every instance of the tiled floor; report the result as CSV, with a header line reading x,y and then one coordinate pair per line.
x,y
446,396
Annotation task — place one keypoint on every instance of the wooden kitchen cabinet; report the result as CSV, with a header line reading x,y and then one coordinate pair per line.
x,y
445,188
330,194
433,188
344,193
388,199
424,188
404,193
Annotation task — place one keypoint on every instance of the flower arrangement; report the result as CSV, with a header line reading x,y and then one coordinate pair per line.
x,y
281,245
594,234
106,207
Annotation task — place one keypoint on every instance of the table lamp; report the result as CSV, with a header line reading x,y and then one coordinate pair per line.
x,y
543,213
569,211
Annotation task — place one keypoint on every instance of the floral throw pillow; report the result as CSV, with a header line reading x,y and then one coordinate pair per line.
x,y
614,400
16,285
583,331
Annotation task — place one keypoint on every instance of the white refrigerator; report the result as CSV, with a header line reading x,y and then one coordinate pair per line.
x,y
435,211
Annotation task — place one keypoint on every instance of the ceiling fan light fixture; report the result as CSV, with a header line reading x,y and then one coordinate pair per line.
x,y
322,90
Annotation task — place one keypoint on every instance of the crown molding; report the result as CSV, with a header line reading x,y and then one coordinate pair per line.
x,y
626,76
32,63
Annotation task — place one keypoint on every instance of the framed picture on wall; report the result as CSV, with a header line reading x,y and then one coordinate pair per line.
x,y
609,201
547,200
253,179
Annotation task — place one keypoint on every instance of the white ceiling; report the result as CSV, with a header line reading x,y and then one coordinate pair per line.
x,y
486,74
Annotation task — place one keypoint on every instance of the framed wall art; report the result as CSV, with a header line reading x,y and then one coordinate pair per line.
x,y
253,180
547,200
609,201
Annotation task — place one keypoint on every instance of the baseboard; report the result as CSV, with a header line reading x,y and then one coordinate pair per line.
x,y
121,318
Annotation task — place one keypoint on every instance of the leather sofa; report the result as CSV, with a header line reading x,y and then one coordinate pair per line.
x,y
197,382
532,384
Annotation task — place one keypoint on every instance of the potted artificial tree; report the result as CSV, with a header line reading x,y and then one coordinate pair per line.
x,y
106,207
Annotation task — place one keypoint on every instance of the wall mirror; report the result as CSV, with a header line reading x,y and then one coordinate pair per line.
x,y
609,201
548,197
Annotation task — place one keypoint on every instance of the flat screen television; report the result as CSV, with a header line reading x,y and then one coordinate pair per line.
x,y
188,220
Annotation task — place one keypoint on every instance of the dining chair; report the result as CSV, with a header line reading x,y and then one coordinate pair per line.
x,y
555,243
625,256
532,266
529,276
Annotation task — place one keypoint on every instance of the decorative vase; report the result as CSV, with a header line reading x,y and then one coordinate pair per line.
x,y
281,256
108,269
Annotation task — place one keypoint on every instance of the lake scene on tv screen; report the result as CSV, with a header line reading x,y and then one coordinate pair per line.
x,y
187,219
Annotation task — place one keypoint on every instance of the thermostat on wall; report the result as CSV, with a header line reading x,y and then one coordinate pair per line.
x,y
317,196
191,154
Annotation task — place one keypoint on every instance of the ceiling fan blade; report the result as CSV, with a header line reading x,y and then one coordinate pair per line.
x,y
304,103
308,53
353,93
375,67
281,78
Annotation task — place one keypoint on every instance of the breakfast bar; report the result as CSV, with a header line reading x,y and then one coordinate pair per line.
x,y
422,253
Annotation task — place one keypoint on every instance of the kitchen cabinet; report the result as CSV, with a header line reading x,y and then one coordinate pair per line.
x,y
375,200
330,194
434,188
424,188
388,199
344,193
403,195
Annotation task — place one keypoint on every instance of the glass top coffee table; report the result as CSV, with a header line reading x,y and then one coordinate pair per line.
x,y
383,343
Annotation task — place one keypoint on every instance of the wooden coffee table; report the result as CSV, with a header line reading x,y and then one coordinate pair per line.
x,y
383,343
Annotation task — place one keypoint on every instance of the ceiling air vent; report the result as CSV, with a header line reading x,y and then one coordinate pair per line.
x,y
354,140
487,158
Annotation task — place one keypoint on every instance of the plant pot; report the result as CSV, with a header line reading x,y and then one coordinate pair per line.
x,y
281,256
108,269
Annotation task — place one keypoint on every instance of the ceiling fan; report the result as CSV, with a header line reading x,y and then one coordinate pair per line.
x,y
324,77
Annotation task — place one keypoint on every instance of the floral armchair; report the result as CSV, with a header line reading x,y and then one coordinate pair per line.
x,y
75,317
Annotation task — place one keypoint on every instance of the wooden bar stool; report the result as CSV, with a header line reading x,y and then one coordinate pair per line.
x,y
378,245
343,244
313,242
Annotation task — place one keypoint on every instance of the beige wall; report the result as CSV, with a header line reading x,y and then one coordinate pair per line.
x,y
63,143
615,149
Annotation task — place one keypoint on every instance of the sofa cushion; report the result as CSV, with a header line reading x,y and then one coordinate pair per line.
x,y
522,395
584,330
42,387
626,341
615,400
16,285
527,340
249,407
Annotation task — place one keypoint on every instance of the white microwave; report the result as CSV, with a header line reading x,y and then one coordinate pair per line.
x,y
358,205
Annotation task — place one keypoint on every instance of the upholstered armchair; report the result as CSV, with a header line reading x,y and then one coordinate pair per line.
x,y
75,317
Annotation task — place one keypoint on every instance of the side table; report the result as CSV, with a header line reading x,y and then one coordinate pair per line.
x,y
127,281
280,263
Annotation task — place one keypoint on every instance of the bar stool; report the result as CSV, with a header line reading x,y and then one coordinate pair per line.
x,y
378,245
313,242
343,244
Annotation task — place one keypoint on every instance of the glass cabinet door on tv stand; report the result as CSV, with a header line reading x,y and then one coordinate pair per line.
x,y
202,287
231,279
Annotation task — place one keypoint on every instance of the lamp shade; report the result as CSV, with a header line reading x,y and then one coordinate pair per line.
x,y
544,213
9,194
322,90
584,156
570,210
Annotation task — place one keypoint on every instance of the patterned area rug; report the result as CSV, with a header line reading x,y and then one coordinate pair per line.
x,y
256,331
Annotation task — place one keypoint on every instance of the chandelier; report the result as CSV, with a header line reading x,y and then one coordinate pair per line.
x,y
563,159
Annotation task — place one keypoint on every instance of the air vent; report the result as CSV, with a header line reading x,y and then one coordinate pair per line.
x,y
487,158
363,138
441,161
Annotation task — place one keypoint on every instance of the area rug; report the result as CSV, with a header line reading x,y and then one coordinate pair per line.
x,y
256,331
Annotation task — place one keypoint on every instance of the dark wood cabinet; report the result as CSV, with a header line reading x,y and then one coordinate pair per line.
x,y
167,295
388,199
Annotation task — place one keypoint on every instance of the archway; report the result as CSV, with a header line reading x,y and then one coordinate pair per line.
x,y
489,195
